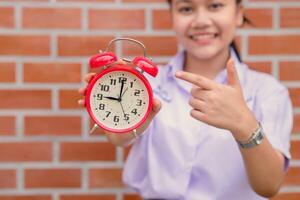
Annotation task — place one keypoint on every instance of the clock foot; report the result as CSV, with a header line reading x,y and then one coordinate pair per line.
x,y
95,127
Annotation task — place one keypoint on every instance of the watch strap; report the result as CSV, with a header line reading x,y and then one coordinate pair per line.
x,y
255,139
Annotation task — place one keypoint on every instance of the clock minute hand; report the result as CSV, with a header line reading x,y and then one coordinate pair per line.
x,y
121,91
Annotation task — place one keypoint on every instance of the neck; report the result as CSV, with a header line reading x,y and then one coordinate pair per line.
x,y
209,68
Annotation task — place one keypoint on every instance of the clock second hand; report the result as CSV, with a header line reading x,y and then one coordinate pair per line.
x,y
123,94
122,108
121,101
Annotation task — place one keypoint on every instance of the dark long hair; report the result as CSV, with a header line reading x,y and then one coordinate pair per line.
x,y
233,44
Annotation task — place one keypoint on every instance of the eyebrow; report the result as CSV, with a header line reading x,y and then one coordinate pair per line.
x,y
179,1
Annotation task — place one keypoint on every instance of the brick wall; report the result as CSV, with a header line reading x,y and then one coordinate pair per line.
x,y
46,152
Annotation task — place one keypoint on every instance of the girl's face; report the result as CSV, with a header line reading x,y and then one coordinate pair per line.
x,y
206,28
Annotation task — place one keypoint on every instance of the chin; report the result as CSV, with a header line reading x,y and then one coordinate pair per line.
x,y
203,53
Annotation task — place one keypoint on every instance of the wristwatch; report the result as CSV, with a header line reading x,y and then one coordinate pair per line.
x,y
255,139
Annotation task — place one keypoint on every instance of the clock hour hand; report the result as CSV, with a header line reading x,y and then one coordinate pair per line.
x,y
112,98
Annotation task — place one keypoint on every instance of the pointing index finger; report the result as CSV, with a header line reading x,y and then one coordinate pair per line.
x,y
197,80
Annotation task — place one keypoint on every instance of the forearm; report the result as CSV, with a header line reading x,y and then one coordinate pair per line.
x,y
265,168
263,163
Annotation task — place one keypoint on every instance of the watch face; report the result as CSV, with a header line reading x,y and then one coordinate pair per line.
x,y
119,100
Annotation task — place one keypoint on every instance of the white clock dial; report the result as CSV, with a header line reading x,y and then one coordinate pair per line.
x,y
117,109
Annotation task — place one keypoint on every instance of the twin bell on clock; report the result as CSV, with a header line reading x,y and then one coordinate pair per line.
x,y
119,98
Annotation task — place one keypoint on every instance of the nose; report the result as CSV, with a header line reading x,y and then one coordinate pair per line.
x,y
201,19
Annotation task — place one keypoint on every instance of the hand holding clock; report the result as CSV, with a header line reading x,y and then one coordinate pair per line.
x,y
121,139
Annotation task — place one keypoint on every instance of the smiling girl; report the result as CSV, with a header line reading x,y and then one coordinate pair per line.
x,y
223,130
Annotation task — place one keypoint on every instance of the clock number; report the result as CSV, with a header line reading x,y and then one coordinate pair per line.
x,y
105,88
137,93
116,119
131,84
99,97
113,81
126,117
108,113
122,79
102,106
134,111
139,102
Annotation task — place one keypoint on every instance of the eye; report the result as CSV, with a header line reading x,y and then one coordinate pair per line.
x,y
216,6
185,9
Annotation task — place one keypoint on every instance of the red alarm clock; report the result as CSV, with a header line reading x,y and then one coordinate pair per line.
x,y
119,98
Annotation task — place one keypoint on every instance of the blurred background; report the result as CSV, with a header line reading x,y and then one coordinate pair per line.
x,y
46,152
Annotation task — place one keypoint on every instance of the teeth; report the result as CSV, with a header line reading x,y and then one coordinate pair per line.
x,y
202,37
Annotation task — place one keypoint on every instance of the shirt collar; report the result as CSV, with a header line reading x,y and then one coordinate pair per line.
x,y
177,63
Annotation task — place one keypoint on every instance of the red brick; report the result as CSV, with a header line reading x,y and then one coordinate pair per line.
x,y
87,151
25,151
295,96
265,67
126,151
7,178
26,197
52,125
7,125
51,18
260,18
116,19
7,72
24,45
52,72
98,132
156,45
132,197
295,150
105,178
296,128
290,17
7,17
289,71
287,196
68,99
52,178
274,45
162,19
87,197
82,45
292,176
25,99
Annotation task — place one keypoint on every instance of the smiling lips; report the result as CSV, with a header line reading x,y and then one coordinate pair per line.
x,y
203,38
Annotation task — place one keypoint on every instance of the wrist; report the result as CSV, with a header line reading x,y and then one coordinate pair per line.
x,y
244,130
255,139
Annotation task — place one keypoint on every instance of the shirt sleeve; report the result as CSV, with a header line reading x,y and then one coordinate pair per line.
x,y
277,119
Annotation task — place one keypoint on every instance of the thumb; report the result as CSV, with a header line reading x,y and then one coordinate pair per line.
x,y
155,108
232,75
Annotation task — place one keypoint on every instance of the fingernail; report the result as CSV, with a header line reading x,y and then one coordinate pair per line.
x,y
230,61
178,74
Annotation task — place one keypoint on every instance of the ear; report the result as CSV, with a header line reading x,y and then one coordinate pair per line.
x,y
240,15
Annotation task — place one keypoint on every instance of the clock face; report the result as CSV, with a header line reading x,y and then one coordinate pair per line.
x,y
119,100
